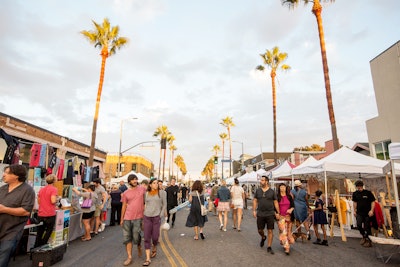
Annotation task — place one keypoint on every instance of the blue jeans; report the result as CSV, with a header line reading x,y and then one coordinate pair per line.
x,y
7,249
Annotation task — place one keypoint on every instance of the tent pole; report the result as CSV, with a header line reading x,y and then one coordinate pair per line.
x,y
326,193
396,193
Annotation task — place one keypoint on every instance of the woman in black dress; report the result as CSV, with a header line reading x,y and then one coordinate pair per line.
x,y
195,219
320,218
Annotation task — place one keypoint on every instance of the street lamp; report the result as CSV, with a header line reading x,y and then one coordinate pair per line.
x,y
242,159
120,144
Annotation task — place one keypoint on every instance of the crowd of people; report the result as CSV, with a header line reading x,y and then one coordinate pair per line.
x,y
140,208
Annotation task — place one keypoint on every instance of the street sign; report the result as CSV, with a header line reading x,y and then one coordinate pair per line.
x,y
225,160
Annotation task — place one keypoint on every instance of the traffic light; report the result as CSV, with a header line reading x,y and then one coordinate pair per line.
x,y
215,160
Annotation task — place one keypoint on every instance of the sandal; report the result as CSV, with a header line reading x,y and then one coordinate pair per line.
x,y
196,238
86,239
128,261
147,263
202,236
153,253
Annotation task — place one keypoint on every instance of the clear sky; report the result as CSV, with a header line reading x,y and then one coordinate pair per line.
x,y
188,65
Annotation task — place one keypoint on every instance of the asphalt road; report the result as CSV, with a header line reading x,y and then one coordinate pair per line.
x,y
178,248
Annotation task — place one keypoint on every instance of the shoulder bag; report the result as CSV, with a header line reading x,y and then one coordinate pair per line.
x,y
202,207
87,202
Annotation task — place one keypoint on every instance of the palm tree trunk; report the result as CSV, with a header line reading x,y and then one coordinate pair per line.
x,y
172,163
273,74
230,153
163,167
317,10
222,160
96,112
159,164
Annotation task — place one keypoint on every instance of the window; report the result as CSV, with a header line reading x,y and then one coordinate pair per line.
x,y
134,167
382,150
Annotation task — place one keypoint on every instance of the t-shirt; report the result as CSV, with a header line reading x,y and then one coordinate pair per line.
x,y
155,204
284,205
364,200
99,191
134,199
46,208
22,196
265,202
184,191
172,195
237,192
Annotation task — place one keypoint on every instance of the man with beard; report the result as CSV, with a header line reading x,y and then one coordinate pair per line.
x,y
132,216
172,199
266,209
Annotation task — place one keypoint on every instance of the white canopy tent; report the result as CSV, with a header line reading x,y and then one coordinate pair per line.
x,y
251,177
229,180
262,172
345,163
283,170
124,178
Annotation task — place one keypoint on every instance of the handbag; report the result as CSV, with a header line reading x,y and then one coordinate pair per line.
x,y
87,202
202,207
216,201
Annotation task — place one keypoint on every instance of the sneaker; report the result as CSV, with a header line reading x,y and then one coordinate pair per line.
x,y
221,226
263,241
318,242
308,235
324,243
224,229
269,250
367,243
102,226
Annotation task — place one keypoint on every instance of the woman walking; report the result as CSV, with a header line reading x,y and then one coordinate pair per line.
x,y
87,212
195,219
286,207
116,205
320,219
301,207
223,205
238,197
155,206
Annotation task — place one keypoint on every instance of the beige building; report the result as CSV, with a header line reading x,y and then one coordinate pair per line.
x,y
385,128
128,163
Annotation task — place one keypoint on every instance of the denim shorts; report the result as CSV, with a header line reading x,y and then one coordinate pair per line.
x,y
131,231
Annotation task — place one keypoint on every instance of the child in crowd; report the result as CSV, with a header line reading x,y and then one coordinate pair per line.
x,y
319,219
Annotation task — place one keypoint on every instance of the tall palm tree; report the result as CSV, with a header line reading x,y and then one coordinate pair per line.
x,y
179,163
273,60
107,40
223,137
228,124
172,148
317,11
164,133
216,149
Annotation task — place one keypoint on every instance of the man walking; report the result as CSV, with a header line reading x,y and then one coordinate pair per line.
x,y
266,209
184,190
132,216
364,205
101,201
214,195
172,199
16,203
